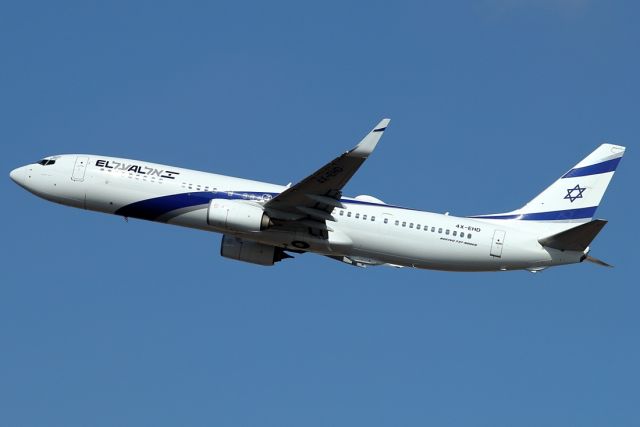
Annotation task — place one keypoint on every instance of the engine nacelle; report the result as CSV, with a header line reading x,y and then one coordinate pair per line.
x,y
236,215
252,252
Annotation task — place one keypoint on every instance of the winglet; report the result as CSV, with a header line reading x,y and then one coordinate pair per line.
x,y
369,142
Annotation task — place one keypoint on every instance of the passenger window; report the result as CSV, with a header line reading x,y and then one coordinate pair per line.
x,y
440,230
455,233
349,214
447,232
404,223
410,225
373,218
357,215
341,213
468,235
397,222
418,227
433,229
364,217
386,220
461,234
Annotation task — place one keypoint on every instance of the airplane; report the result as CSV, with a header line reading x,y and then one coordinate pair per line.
x,y
264,223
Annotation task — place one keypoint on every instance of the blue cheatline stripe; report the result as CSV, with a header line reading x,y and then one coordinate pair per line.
x,y
547,216
608,166
152,209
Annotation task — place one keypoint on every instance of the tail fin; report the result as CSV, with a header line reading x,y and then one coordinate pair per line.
x,y
575,196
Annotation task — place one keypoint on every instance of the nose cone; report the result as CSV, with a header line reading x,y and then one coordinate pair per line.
x,y
17,175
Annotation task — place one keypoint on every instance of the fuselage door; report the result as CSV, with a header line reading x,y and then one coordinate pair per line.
x,y
80,168
498,242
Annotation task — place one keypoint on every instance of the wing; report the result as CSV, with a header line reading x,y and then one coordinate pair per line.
x,y
310,201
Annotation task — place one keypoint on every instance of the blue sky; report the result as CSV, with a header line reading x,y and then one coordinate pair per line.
x,y
108,323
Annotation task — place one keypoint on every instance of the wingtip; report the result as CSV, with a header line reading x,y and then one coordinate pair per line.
x,y
368,144
613,148
380,127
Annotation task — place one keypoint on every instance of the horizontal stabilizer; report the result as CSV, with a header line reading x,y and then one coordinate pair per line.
x,y
576,238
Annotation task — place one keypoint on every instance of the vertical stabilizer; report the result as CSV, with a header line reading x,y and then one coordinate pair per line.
x,y
575,196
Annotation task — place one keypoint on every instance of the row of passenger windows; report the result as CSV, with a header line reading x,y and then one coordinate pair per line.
x,y
260,197
416,226
135,176
198,187
151,179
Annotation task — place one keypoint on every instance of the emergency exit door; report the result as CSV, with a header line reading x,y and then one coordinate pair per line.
x,y
79,168
498,242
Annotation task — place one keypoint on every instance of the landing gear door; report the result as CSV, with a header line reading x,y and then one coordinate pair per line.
x,y
80,168
498,242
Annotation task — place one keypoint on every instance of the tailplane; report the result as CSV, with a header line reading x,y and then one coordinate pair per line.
x,y
577,239
574,239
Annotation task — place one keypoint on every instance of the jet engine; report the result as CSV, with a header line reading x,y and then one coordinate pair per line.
x,y
251,252
237,215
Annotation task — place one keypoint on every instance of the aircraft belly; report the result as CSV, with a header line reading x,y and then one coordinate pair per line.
x,y
442,252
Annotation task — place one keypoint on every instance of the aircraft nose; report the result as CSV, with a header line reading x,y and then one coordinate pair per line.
x,y
17,175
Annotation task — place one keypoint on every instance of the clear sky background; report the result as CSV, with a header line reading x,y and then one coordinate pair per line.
x,y
107,323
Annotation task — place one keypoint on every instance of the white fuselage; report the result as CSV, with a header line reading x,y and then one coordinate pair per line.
x,y
366,230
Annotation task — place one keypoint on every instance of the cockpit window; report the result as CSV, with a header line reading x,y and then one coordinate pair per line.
x,y
46,162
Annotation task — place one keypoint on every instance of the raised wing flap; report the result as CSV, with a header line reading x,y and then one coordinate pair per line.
x,y
326,200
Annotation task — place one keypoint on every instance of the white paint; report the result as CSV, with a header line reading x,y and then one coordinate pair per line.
x,y
448,243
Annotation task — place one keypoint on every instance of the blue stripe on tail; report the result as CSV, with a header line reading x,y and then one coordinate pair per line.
x,y
608,166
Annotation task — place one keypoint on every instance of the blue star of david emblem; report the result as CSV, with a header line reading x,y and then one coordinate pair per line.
x,y
575,193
